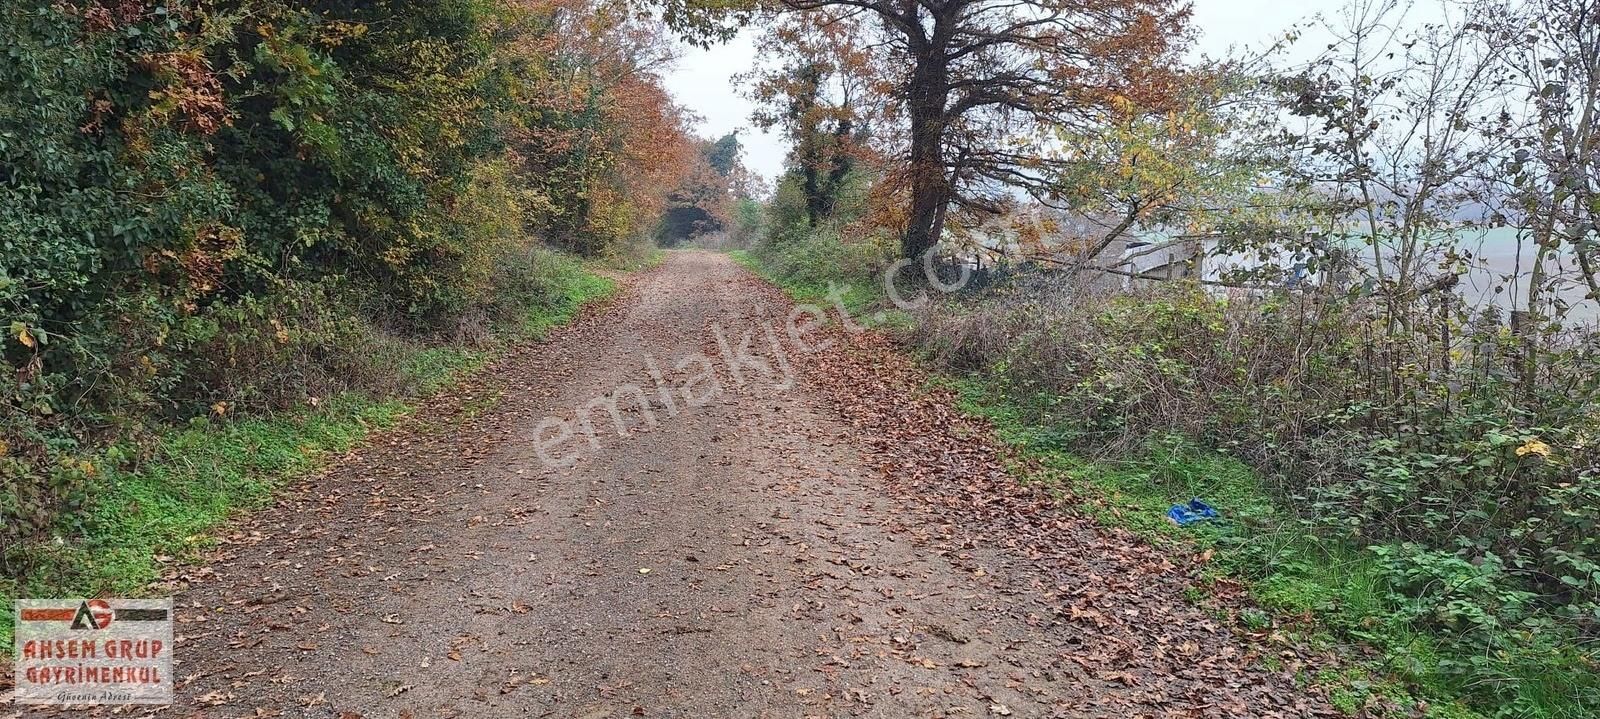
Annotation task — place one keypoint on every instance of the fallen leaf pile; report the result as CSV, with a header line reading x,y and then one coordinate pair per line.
x,y
1118,602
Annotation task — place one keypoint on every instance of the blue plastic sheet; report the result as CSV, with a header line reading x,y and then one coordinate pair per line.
x,y
1195,511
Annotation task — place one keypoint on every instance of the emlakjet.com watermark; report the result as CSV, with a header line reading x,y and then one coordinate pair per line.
x,y
769,352
95,651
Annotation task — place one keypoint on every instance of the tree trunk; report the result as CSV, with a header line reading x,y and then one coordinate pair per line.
x,y
814,199
930,189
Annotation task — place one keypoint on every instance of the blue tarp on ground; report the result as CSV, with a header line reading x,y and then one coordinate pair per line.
x,y
1184,515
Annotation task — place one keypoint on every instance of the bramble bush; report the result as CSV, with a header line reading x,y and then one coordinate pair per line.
x,y
1445,463
1473,494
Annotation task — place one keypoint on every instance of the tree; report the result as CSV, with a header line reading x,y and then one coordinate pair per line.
x,y
820,95
705,198
1192,170
702,22
1555,169
723,154
979,86
210,207
1401,130
597,134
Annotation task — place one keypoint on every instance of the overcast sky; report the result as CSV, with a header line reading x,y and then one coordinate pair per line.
x,y
703,81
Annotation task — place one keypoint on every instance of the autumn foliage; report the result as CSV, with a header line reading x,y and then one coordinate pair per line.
x,y
963,99
225,207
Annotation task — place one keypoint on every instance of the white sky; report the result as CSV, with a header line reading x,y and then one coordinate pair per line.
x,y
703,80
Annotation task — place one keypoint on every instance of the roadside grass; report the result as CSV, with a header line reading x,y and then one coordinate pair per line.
x,y
854,295
865,301
578,288
1326,593
633,257
142,519
433,368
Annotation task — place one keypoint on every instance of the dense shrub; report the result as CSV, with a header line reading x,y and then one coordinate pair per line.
x,y
229,208
825,258
1476,492
841,252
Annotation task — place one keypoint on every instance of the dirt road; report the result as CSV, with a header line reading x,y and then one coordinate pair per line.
x,y
757,555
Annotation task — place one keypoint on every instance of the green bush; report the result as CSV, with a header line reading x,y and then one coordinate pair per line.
x,y
226,210
811,262
1469,498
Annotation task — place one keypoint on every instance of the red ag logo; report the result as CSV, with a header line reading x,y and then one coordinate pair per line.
x,y
93,614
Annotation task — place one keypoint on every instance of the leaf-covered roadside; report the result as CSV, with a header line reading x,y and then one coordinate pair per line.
x,y
1120,599
1414,642
147,519
219,209
1415,502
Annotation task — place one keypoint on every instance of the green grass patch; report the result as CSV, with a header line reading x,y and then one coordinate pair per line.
x,y
142,517
577,289
431,369
1323,590
862,299
633,257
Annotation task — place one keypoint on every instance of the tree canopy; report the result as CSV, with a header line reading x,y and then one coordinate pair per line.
x,y
971,93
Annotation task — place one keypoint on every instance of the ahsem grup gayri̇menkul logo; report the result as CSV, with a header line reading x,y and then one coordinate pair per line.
x,y
93,651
